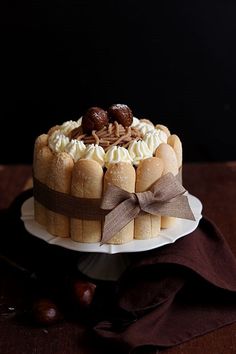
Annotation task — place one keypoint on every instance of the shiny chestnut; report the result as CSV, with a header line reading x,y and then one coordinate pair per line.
x,y
45,312
83,292
94,119
121,113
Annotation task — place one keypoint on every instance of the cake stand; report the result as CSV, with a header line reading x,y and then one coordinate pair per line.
x,y
108,262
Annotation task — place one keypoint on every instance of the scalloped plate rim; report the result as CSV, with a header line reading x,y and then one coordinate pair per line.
x,y
180,229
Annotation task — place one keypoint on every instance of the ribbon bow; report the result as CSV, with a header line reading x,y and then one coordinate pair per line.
x,y
164,198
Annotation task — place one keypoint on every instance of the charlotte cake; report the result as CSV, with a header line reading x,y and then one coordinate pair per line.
x,y
81,158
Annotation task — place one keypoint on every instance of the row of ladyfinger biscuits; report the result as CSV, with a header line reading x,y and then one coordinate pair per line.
x,y
86,179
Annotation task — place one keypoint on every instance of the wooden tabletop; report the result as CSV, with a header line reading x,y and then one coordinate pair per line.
x,y
213,183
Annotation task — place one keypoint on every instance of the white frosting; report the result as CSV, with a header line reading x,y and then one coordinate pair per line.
x,y
117,154
79,121
154,139
58,141
68,126
138,151
95,152
135,122
144,127
75,149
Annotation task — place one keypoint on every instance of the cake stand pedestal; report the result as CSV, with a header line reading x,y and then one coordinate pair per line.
x,y
104,266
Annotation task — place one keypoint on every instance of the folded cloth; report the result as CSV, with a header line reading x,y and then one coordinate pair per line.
x,y
29,252
174,293
167,296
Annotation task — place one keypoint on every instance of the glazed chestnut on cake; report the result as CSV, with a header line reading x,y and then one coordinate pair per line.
x,y
94,119
121,113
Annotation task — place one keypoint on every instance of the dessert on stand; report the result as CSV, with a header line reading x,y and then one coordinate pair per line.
x,y
109,184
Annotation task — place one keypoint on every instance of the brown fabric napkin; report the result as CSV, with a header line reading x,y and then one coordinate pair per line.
x,y
174,293
167,296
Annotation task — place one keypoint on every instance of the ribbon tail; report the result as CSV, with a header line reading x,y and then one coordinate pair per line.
x,y
118,218
186,209
177,207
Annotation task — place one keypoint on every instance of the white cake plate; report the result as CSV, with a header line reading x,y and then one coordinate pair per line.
x,y
107,262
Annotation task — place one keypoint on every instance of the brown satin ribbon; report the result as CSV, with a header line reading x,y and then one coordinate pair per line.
x,y
118,206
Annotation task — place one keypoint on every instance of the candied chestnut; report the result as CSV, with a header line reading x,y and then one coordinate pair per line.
x,y
83,293
94,119
45,312
121,113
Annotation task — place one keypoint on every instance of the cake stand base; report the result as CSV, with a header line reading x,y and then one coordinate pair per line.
x,y
104,266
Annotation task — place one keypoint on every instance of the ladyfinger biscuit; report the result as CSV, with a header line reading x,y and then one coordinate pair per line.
x,y
59,179
122,174
163,128
148,172
174,141
42,160
168,156
41,141
87,182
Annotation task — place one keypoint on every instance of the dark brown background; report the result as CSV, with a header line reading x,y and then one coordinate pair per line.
x,y
171,61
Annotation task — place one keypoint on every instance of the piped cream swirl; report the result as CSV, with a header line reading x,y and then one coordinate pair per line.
x,y
138,151
75,149
58,141
79,121
117,154
154,138
96,153
68,126
144,127
135,122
